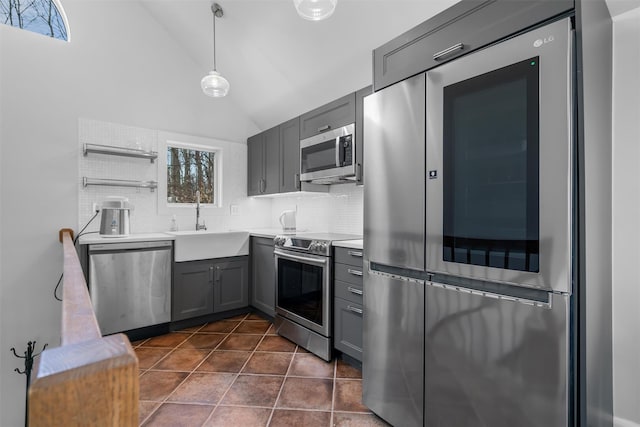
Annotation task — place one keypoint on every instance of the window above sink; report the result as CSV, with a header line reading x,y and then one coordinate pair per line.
x,y
187,164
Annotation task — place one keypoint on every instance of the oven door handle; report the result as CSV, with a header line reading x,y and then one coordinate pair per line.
x,y
319,261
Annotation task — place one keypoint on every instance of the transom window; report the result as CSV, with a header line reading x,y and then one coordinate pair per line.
x,y
190,170
40,16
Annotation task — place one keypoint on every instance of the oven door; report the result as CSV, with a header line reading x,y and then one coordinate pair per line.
x,y
303,289
499,162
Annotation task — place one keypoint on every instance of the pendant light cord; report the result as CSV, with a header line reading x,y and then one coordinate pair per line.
x,y
214,37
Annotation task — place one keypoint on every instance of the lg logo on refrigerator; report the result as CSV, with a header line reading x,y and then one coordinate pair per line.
x,y
543,41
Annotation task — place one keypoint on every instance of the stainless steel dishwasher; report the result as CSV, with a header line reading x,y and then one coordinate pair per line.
x,y
130,284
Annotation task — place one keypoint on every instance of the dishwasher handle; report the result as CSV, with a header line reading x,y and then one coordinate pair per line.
x,y
130,246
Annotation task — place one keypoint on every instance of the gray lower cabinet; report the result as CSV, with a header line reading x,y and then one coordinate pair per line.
x,y
209,286
230,284
348,328
263,275
464,27
348,302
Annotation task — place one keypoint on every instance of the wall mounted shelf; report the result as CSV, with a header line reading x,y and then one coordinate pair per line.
x,y
119,151
151,185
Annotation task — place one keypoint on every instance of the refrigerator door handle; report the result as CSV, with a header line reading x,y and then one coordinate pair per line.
x,y
501,291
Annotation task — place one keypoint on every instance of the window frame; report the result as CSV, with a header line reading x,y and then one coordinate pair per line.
x,y
65,22
191,143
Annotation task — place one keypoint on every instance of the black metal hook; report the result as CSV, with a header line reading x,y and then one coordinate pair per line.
x,y
28,357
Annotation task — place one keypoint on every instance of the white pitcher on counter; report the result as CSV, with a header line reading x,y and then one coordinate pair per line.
x,y
288,221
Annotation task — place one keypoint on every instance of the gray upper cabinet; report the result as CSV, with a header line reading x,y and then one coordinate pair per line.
x,y
290,156
463,28
272,161
230,284
263,275
255,164
360,95
333,115
263,167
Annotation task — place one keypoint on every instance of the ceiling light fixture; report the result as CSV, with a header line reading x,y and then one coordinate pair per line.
x,y
315,10
213,84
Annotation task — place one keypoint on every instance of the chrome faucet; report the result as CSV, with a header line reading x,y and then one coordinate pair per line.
x,y
198,225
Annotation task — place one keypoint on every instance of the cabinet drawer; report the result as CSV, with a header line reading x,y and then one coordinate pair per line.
x,y
464,27
348,273
348,291
333,115
348,328
348,256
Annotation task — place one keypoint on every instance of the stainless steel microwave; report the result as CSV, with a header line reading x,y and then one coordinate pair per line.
x,y
329,157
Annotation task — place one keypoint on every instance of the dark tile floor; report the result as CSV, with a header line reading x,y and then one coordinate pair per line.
x,y
238,372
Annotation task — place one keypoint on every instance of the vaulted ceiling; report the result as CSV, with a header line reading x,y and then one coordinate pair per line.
x,y
280,65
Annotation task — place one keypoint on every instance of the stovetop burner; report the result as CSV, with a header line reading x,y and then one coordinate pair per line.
x,y
315,243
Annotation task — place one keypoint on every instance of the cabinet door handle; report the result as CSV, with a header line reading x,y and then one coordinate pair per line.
x,y
438,56
296,181
323,128
358,173
354,272
217,275
263,185
355,253
354,290
211,274
354,309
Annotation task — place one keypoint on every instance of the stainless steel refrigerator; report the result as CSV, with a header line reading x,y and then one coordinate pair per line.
x,y
468,239
394,257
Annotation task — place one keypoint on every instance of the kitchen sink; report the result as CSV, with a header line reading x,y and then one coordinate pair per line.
x,y
193,245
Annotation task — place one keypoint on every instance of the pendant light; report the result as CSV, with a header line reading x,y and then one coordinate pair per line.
x,y
213,84
315,10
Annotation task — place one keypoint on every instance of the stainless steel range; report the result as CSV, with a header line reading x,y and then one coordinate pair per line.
x,y
304,289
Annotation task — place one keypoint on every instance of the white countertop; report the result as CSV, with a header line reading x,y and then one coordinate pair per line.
x,y
351,244
264,232
92,238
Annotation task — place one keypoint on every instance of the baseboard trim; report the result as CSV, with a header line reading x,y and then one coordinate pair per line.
x,y
622,422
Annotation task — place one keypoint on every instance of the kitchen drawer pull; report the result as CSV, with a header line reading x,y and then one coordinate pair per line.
x,y
438,56
354,290
354,309
355,253
323,128
354,272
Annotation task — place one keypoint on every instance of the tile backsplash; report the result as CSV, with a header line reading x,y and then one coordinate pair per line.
x,y
339,210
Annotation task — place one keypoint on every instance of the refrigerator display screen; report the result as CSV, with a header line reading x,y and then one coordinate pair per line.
x,y
491,164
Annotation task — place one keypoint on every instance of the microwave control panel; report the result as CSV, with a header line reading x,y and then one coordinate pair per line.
x,y
346,150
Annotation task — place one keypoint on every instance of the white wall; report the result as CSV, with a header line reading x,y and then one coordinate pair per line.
x,y
119,67
146,216
626,213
